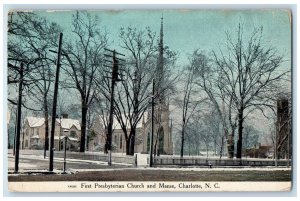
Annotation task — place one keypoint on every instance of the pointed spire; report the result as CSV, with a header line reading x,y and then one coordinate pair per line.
x,y
161,46
161,42
160,63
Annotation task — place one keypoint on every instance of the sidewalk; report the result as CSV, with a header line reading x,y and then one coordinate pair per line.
x,y
33,163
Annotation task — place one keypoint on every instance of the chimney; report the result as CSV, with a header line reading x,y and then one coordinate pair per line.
x,y
64,116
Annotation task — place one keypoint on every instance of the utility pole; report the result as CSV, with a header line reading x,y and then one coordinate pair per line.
x,y
19,120
152,124
65,153
59,132
114,78
111,117
135,108
54,104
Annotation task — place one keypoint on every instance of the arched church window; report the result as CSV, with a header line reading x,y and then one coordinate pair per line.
x,y
161,141
148,142
116,139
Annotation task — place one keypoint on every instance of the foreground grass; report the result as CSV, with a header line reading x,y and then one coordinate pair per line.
x,y
160,175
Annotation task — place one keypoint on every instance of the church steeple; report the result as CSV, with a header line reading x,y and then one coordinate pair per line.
x,y
161,46
160,63
161,41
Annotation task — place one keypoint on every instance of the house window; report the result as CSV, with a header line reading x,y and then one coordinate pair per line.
x,y
121,142
73,134
26,143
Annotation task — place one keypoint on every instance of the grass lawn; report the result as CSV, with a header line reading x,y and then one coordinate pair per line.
x,y
160,175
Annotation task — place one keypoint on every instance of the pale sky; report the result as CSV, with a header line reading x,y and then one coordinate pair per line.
x,y
187,30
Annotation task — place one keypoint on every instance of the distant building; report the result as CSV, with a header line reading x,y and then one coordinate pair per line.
x,y
142,137
34,133
118,139
284,138
260,151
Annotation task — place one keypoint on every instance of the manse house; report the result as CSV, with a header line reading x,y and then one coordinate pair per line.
x,y
33,135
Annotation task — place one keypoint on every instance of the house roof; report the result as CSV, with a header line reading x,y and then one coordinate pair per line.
x,y
65,123
68,123
35,121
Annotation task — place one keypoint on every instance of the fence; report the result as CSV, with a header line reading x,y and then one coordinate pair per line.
x,y
164,161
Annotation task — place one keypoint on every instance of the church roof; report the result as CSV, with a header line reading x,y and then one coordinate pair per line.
x,y
117,125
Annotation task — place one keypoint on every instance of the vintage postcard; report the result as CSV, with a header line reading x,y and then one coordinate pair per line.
x,y
149,100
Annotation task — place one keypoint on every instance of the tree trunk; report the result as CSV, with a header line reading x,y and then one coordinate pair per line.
x,y
189,147
182,143
230,145
215,146
222,147
132,142
206,150
127,146
87,142
84,110
240,134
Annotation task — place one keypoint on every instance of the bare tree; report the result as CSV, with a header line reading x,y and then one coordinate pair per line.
x,y
213,124
251,137
84,56
208,79
189,101
91,120
29,39
240,80
200,133
248,72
